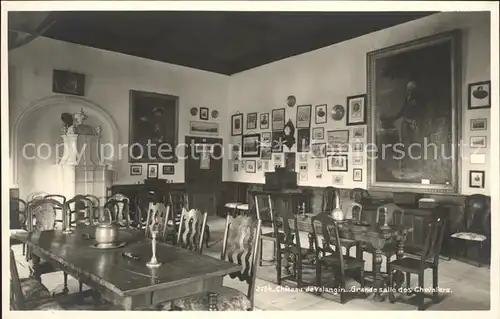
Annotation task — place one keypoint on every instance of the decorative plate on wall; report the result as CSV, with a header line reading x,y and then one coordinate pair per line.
x,y
338,112
290,101
194,111
215,114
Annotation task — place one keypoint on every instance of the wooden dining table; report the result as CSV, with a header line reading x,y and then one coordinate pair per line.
x,y
367,233
125,281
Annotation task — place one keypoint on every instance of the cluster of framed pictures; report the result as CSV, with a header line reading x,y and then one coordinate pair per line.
x,y
152,172
204,113
251,124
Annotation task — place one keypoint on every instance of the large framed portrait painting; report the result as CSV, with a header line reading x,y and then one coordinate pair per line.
x,y
413,111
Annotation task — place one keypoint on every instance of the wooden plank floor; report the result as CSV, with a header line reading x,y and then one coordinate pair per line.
x,y
469,285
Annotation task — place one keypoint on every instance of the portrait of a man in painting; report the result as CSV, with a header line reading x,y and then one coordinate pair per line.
x,y
413,113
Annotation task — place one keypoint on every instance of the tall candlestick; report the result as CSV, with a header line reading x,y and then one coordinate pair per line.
x,y
153,263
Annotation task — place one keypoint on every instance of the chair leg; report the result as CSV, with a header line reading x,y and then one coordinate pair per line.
x,y
65,288
80,286
392,299
278,269
298,269
24,249
318,277
342,289
408,283
261,249
362,280
207,232
420,294
435,295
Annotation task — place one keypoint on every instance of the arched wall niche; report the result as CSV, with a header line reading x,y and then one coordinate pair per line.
x,y
53,106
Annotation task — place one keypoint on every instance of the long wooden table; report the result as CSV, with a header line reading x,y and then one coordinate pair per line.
x,y
123,281
370,234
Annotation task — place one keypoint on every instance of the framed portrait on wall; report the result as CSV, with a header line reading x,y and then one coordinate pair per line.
x,y
357,175
320,114
404,105
278,119
264,121
476,179
152,171
237,124
356,110
303,116
479,95
251,121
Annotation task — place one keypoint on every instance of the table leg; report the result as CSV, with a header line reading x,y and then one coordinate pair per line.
x,y
398,276
34,266
378,276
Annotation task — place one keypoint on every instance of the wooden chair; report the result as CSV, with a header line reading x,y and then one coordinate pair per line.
x,y
395,216
21,213
327,206
79,210
289,250
359,195
240,245
428,259
28,293
330,254
119,206
353,211
42,217
264,204
191,232
159,214
476,228
95,206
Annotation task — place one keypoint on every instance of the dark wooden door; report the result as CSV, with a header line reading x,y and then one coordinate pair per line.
x,y
203,172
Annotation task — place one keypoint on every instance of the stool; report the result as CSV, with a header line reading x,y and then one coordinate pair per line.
x,y
232,207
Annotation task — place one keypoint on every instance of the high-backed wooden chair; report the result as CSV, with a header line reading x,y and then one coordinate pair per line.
x,y
119,206
240,246
330,253
359,195
42,217
263,204
95,206
394,216
428,259
158,214
476,229
21,216
191,232
79,211
28,293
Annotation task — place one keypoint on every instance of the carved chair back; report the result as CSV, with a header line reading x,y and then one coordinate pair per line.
x,y
57,197
95,206
291,239
351,209
433,241
323,224
42,214
17,301
35,195
328,200
20,211
263,204
359,195
158,214
241,246
477,214
119,206
191,230
79,210
178,200
395,214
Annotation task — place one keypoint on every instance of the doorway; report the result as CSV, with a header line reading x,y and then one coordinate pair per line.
x,y
203,172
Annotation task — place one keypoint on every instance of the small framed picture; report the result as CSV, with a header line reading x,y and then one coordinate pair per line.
x,y
266,137
356,110
477,158
264,121
237,124
265,152
204,113
135,170
251,121
357,175
250,166
477,141
168,169
235,152
357,160
338,180
236,166
318,133
152,170
318,150
303,116
338,141
357,147
478,124
303,140
320,114
479,95
476,179
337,163
278,119
358,132
67,82
250,145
